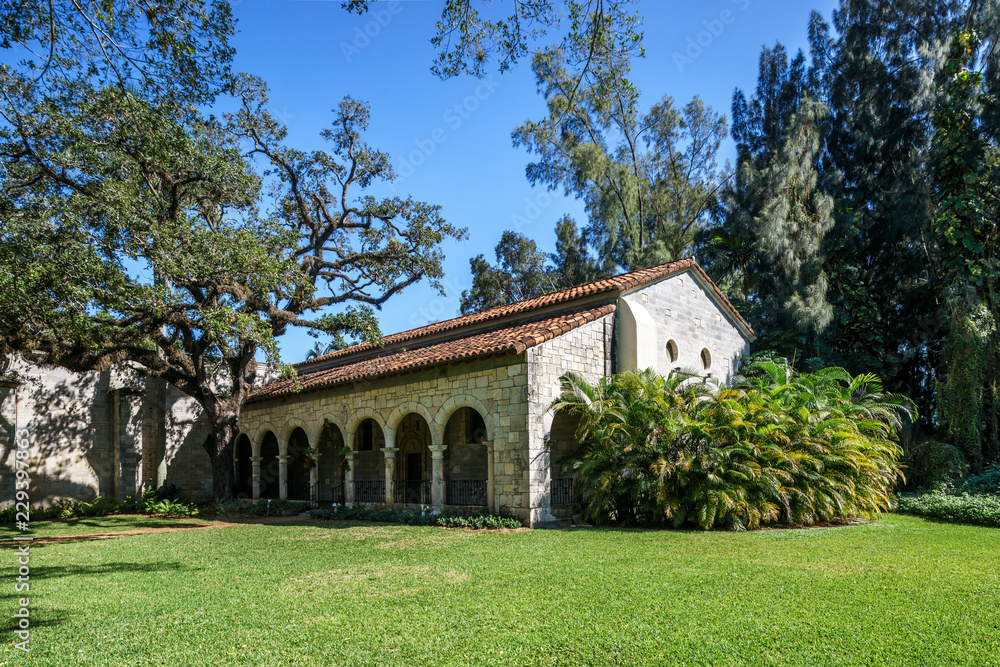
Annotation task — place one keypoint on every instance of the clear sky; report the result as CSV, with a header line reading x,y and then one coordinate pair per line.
x,y
451,139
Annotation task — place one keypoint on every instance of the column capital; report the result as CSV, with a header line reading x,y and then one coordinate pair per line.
x,y
390,452
283,458
437,450
256,459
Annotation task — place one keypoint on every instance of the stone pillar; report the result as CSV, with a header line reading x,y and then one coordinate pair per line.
x,y
389,463
390,473
255,462
314,480
283,476
437,476
349,479
491,487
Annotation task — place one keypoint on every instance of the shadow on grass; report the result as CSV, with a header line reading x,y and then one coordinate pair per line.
x,y
42,618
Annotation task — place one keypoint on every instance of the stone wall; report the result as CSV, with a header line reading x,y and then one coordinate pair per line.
x,y
494,387
108,434
684,313
585,350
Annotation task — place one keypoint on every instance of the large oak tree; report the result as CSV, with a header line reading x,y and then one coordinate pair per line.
x,y
139,230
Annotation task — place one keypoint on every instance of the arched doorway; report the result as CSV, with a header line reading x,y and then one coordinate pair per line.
x,y
269,471
298,470
562,444
244,467
466,468
331,464
369,463
413,461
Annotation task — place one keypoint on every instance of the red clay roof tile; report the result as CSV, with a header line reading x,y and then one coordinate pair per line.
x,y
620,283
515,338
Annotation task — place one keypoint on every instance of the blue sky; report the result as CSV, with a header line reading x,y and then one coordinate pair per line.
x,y
451,139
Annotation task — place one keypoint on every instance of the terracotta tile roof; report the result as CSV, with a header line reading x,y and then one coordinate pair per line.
x,y
510,339
622,283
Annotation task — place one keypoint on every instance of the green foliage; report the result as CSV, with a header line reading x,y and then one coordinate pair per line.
x,y
523,272
476,520
276,507
153,502
965,172
974,499
972,355
907,154
467,39
985,482
929,464
650,181
978,510
140,230
778,447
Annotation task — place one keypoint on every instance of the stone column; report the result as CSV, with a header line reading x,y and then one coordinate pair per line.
x,y
491,487
255,462
283,476
390,473
349,479
437,476
314,481
389,463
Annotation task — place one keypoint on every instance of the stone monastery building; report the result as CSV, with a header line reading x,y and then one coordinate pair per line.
x,y
456,413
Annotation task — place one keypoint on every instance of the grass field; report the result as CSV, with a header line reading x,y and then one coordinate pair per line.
x,y
901,591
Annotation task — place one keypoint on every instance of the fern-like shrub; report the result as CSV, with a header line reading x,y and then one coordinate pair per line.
x,y
775,448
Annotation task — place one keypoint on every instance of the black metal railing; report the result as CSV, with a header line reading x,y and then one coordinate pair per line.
x,y
413,491
369,492
466,492
562,491
331,494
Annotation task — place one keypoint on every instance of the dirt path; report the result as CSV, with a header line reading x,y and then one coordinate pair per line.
x,y
83,537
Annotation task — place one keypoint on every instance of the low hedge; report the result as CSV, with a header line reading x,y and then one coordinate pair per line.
x,y
981,510
477,520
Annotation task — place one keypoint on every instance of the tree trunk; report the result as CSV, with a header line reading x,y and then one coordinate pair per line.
x,y
220,447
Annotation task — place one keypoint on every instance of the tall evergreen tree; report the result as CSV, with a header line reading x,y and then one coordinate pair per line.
x,y
650,181
966,171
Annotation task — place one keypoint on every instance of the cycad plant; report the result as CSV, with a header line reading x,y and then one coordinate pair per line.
x,y
776,447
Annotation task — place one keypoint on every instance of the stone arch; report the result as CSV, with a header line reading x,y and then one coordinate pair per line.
x,y
397,416
359,416
454,403
258,439
317,431
286,432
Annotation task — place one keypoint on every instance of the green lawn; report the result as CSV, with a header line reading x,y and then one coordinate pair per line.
x,y
902,591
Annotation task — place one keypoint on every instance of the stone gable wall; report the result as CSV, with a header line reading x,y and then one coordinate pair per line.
x,y
683,312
